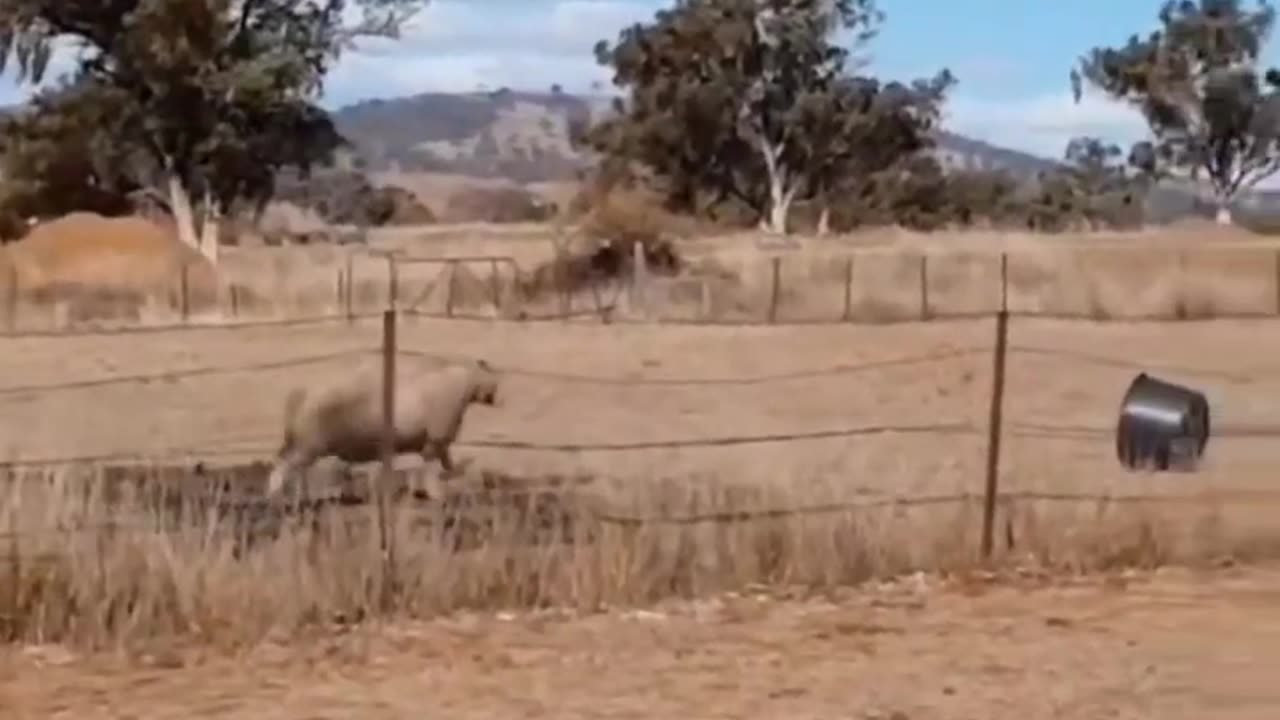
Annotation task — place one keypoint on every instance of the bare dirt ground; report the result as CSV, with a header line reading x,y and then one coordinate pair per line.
x,y
1170,645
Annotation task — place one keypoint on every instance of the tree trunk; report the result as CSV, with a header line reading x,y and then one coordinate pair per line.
x,y
184,216
1222,201
824,220
210,230
780,199
780,196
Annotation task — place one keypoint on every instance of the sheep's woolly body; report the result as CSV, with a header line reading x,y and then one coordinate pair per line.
x,y
345,420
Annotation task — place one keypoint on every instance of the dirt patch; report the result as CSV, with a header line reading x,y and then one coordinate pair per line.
x,y
1172,645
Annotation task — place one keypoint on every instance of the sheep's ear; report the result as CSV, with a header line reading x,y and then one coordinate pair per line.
x,y
483,364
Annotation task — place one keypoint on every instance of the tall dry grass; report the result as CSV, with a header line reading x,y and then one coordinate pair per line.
x,y
140,571
730,279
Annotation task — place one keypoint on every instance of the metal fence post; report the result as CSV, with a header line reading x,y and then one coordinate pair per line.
x,y
385,538
996,416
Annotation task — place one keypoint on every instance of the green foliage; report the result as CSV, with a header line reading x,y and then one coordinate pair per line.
x,y
58,157
749,103
1196,80
1097,187
209,96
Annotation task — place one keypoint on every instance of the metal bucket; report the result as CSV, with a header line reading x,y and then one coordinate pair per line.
x,y
1162,426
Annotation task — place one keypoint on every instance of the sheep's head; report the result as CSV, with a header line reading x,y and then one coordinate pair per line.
x,y
484,384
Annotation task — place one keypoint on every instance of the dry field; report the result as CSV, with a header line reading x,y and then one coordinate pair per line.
x,y
1194,270
1190,271
1169,645
587,384
576,390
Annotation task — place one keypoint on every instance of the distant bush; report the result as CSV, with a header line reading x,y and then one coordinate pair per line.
x,y
498,205
348,198
627,217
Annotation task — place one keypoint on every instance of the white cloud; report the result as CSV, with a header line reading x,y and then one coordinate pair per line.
x,y
455,46
1044,124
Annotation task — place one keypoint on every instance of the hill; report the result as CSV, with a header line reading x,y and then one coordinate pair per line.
x,y
524,137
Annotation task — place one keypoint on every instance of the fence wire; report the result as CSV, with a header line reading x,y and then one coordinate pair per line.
x,y
1067,432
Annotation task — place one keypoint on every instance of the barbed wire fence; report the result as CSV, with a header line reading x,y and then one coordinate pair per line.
x,y
996,429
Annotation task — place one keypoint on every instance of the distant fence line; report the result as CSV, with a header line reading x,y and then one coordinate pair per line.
x,y
632,300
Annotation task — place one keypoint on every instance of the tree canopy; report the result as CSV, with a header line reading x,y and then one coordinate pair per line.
x,y
207,99
752,102
1212,110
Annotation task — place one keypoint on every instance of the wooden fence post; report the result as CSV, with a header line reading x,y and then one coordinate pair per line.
x,y
393,282
1276,263
775,290
995,419
348,300
495,287
11,300
924,286
847,315
340,292
386,539
184,287
1180,303
450,288
1004,282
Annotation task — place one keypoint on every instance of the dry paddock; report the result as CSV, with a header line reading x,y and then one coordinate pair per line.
x,y
809,416
1168,646
575,391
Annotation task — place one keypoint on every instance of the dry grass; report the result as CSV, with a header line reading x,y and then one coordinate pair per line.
x,y
140,577
129,587
872,276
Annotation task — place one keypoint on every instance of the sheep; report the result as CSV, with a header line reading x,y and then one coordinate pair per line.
x,y
345,419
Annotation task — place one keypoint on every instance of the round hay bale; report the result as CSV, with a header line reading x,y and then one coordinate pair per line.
x,y
106,266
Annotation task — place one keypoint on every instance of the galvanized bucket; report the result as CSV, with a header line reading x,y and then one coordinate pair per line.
x,y
1162,426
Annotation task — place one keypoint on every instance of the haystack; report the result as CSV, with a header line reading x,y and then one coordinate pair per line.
x,y
125,262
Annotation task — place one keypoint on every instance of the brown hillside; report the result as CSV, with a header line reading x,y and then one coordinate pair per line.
x,y
104,265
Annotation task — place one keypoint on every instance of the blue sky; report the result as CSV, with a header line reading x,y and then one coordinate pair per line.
x,y
1012,57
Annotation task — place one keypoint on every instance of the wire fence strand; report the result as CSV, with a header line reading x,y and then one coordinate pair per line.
x,y
171,375
188,326
830,371
154,526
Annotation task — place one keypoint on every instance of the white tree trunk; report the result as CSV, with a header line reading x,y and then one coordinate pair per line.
x,y
1222,200
780,199
824,221
780,194
184,216
210,230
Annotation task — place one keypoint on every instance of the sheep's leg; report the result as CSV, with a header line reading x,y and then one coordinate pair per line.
x,y
281,472
440,451
446,462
